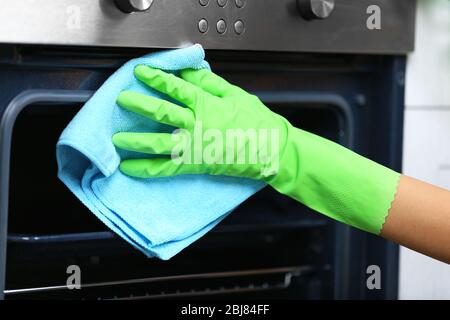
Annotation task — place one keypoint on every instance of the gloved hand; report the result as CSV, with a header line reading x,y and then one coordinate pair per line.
x,y
226,131
216,110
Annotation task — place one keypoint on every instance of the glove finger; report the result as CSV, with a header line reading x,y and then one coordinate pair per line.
x,y
169,84
210,82
156,109
154,168
150,143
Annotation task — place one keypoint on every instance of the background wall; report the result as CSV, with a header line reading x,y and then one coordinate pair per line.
x,y
427,137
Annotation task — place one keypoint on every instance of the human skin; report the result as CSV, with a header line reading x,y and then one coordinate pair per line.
x,y
419,218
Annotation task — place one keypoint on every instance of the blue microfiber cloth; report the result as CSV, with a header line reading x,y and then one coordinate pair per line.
x,y
158,216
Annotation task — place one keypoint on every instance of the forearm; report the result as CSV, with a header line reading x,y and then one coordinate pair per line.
x,y
357,191
419,218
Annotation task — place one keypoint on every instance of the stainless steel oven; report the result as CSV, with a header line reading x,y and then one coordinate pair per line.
x,y
319,63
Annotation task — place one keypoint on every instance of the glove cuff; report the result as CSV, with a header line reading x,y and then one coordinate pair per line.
x,y
335,181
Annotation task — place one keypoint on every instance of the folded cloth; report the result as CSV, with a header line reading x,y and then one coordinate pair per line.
x,y
159,216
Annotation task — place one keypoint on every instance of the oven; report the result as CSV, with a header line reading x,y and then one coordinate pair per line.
x,y
324,65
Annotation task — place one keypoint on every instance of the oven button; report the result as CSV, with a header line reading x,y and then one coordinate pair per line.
x,y
315,9
240,3
130,6
203,2
203,25
239,27
221,26
222,3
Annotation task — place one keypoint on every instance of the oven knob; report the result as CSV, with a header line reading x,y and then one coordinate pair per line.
x,y
315,9
130,6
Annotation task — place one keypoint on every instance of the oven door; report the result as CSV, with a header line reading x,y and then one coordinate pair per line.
x,y
270,246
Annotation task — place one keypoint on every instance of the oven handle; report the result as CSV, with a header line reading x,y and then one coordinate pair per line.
x,y
59,238
108,235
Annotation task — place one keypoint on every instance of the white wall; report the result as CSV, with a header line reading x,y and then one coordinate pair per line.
x,y
427,137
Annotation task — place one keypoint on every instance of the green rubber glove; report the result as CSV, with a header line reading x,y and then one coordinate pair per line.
x,y
226,131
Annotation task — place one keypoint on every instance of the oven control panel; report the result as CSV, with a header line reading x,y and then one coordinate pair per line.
x,y
221,26
350,26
